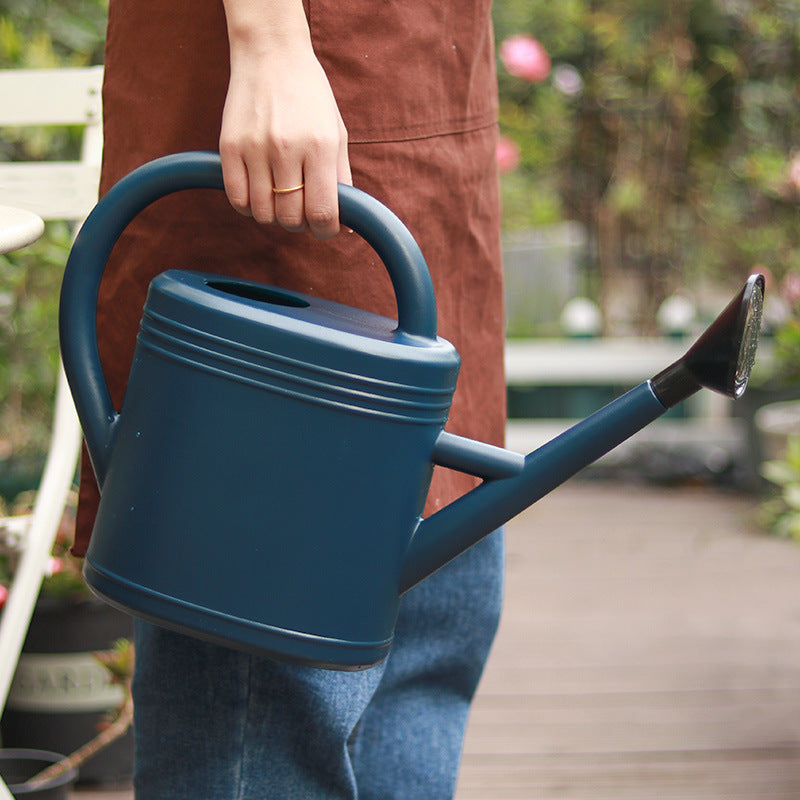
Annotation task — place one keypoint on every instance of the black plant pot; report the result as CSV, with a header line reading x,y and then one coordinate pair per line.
x,y
61,694
20,474
18,766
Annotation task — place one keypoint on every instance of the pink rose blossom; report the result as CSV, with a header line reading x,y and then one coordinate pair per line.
x,y
793,172
524,57
54,566
567,80
3,595
507,154
769,278
790,288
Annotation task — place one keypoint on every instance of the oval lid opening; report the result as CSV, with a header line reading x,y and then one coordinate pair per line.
x,y
259,293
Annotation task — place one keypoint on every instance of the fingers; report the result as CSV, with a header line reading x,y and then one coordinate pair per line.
x,y
287,171
257,177
297,195
235,178
316,206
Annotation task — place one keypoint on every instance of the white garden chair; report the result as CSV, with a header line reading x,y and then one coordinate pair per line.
x,y
53,191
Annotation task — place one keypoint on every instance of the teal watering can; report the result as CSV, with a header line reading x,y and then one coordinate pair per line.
x,y
262,485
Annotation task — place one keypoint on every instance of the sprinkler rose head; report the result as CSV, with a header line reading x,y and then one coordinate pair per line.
x,y
722,358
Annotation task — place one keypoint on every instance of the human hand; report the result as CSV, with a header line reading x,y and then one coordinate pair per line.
x,y
281,128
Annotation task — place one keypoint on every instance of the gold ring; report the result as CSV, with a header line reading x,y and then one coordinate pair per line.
x,y
287,191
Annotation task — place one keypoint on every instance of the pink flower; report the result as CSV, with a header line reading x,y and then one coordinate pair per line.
x,y
790,288
524,57
793,173
567,80
3,595
54,566
769,278
507,154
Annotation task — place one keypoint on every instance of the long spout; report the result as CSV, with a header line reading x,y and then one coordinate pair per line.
x,y
721,360
452,530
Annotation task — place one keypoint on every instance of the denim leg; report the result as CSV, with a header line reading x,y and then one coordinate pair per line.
x,y
217,724
408,742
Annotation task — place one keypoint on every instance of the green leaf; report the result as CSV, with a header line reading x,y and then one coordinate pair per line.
x,y
791,494
780,472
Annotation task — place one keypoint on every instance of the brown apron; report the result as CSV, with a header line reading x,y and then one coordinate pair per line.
x,y
415,84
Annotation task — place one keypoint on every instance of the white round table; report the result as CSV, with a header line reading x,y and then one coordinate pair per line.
x,y
18,228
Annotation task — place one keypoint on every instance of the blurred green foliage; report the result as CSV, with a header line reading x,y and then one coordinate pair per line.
x,y
780,514
671,131
29,282
787,352
37,34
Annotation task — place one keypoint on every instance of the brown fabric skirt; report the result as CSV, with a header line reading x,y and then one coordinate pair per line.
x,y
443,186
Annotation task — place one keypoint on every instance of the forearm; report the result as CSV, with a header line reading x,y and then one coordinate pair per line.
x,y
262,27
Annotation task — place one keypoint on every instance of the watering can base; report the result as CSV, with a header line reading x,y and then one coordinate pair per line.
x,y
229,631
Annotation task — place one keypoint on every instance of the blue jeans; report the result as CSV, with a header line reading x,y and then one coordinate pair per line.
x,y
218,724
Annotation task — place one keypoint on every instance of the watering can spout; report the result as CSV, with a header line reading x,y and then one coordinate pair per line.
x,y
721,360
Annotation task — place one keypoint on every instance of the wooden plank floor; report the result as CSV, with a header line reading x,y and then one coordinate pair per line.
x,y
649,648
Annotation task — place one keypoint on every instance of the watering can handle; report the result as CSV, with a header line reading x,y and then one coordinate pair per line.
x,y
376,224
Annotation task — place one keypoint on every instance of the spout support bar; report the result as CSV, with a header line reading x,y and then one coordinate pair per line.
x,y
476,458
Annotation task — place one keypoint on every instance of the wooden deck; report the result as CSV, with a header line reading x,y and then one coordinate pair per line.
x,y
650,648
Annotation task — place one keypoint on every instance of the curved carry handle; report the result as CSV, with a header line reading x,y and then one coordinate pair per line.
x,y
379,227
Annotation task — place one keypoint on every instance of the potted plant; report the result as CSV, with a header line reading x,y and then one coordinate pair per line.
x,y
773,396
781,511
61,693
44,775
18,766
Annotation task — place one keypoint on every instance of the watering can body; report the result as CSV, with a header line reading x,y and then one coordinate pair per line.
x,y
262,485
252,418
265,475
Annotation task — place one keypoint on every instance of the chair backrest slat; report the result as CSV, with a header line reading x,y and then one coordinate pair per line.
x,y
70,96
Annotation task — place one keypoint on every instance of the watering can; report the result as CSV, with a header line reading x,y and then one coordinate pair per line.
x,y
263,484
